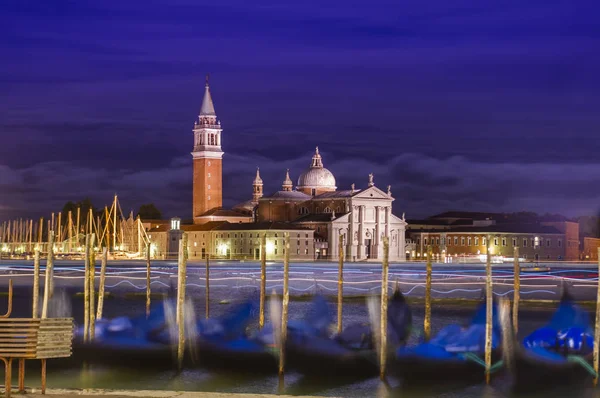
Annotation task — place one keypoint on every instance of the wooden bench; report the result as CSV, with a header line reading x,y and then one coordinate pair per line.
x,y
32,338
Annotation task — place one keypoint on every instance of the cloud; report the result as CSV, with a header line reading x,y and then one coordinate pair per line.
x,y
422,185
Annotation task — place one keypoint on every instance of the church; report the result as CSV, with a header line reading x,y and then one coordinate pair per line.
x,y
360,217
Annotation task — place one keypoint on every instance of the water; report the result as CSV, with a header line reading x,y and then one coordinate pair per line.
x,y
199,380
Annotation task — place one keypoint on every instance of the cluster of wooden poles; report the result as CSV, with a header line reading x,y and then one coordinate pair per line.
x,y
90,295
28,235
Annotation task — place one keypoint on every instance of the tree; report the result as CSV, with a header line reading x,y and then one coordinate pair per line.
x,y
149,212
85,205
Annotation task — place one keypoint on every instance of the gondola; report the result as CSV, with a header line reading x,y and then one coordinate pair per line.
x,y
150,342
454,356
351,354
558,354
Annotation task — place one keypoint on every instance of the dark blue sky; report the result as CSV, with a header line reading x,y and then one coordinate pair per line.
x,y
470,105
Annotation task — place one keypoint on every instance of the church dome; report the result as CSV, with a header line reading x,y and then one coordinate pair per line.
x,y
317,176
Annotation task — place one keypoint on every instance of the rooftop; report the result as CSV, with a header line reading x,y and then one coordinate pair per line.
x,y
501,228
287,195
337,194
263,225
220,212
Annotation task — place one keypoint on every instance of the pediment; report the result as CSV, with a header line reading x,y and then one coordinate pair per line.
x,y
372,193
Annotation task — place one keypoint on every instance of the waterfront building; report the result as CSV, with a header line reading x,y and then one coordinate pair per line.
x,y
235,241
465,234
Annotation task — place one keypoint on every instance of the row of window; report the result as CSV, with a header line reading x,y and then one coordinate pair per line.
x,y
535,242
304,210
251,251
251,243
243,235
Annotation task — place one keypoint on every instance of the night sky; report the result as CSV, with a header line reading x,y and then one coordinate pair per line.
x,y
459,105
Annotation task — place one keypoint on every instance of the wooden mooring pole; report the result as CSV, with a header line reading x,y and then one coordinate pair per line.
x,y
148,281
597,328
36,284
102,282
384,308
489,308
92,285
182,265
427,320
263,281
517,291
284,308
340,292
207,286
48,274
86,290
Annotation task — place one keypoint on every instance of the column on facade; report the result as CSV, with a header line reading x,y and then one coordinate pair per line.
x,y
350,238
376,242
361,221
333,243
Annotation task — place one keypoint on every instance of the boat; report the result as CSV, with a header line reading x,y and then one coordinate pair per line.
x,y
455,355
151,342
558,353
350,355
126,342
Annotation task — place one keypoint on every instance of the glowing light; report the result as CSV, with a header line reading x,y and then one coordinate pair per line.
x,y
222,249
270,247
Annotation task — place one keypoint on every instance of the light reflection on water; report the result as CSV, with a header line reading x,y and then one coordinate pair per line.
x,y
198,380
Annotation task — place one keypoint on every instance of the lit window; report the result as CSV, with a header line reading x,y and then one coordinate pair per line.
x,y
297,251
209,174
208,186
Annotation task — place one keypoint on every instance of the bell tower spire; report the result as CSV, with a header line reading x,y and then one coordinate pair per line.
x,y
257,187
207,157
287,183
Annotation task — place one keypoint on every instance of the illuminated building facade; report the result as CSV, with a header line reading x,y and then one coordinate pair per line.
x,y
236,241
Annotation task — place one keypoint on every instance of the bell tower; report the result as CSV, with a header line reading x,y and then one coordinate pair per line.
x,y
207,158
257,187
